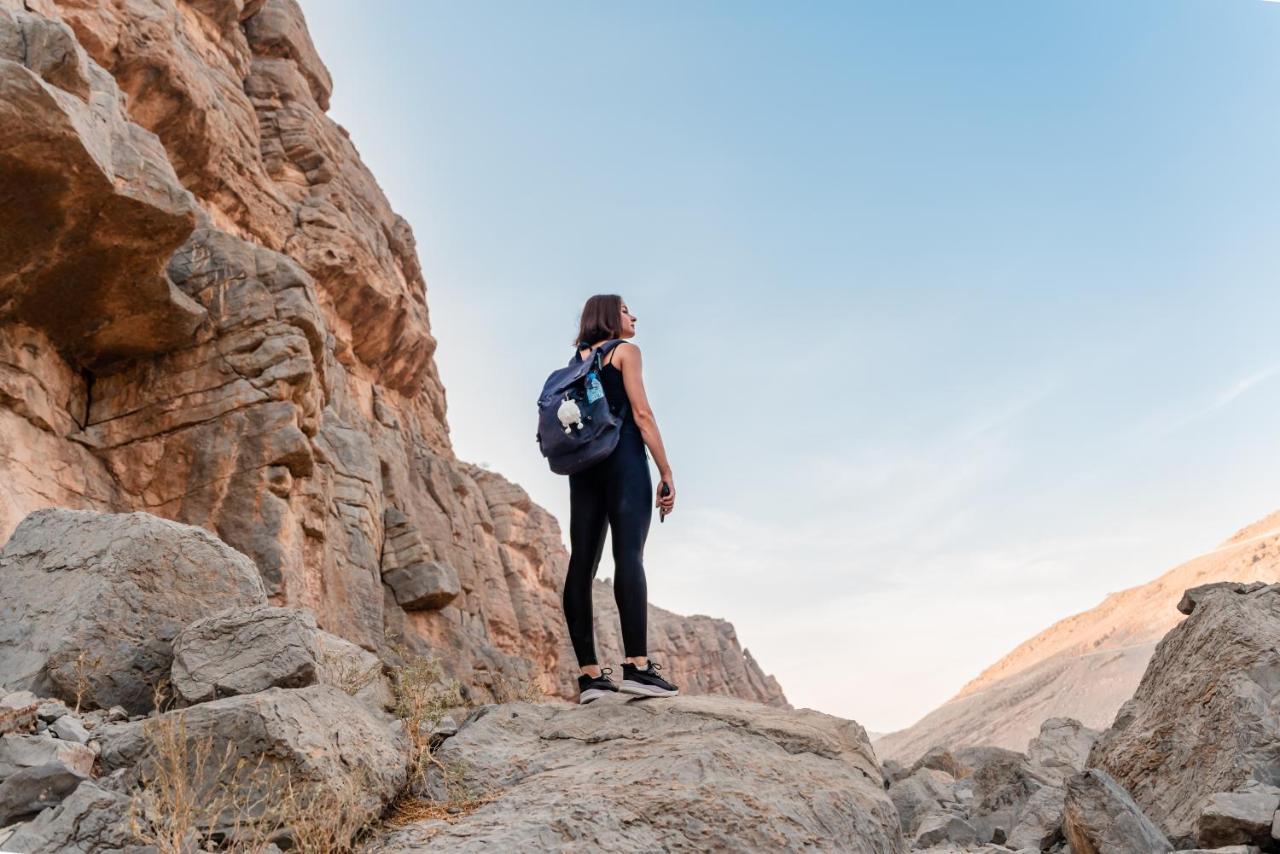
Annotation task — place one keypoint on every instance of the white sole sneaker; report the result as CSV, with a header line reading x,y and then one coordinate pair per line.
x,y
593,694
640,689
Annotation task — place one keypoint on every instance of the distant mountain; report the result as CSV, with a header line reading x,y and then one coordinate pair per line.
x,y
1086,665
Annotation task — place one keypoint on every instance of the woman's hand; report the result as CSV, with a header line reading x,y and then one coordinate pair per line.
x,y
665,503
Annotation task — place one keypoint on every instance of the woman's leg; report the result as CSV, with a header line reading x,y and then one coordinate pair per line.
x,y
588,520
630,510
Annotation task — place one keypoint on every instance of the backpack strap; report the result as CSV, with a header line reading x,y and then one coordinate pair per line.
x,y
601,350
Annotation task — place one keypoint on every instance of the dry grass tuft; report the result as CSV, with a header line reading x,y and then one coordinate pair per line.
x,y
346,672
82,671
191,796
412,810
423,697
188,791
511,691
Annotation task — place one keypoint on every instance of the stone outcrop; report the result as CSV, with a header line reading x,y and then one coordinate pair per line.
x,y
686,774
1085,666
92,208
92,602
209,312
1202,724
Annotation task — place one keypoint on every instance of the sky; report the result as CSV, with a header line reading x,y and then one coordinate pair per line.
x,y
956,317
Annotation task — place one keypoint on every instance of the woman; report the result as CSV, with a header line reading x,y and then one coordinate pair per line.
x,y
615,493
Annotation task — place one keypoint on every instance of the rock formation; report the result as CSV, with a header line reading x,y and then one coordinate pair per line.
x,y
263,732
1197,744
210,313
93,602
1084,666
990,796
686,774
1191,762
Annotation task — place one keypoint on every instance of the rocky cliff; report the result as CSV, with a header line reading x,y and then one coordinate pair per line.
x,y
209,312
1087,665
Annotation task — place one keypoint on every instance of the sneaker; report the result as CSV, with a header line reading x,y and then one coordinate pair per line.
x,y
594,687
646,682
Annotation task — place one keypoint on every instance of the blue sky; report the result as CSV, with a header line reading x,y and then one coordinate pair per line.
x,y
956,316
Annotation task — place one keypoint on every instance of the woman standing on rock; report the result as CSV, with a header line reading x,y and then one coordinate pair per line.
x,y
615,493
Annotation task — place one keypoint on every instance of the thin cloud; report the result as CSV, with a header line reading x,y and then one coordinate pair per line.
x,y
1223,399
1241,386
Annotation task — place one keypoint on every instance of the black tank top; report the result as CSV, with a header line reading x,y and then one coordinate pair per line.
x,y
614,391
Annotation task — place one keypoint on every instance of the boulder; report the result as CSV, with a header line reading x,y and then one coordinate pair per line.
x,y
244,650
1038,823
1062,747
894,771
320,739
19,700
93,602
18,751
941,759
424,586
50,710
68,728
1202,720
999,782
919,795
30,790
940,828
1237,818
1099,817
688,773
90,819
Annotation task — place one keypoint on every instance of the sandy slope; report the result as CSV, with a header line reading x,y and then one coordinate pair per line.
x,y
1085,665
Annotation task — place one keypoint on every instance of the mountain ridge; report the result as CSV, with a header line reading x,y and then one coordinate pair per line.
x,y
1086,664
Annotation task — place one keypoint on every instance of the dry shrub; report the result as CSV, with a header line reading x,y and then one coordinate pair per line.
x,y
83,668
423,697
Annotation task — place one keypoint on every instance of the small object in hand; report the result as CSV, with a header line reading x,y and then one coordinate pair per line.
x,y
666,490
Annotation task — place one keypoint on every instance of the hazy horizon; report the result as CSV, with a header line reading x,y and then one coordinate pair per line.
x,y
953,321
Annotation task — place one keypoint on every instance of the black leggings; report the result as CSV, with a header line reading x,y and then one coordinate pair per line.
x,y
618,492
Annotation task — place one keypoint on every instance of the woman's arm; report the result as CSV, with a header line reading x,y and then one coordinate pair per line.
x,y
632,366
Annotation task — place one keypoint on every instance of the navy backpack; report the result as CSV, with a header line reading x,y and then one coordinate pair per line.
x,y
576,427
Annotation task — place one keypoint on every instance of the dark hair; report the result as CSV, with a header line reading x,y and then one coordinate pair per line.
x,y
601,319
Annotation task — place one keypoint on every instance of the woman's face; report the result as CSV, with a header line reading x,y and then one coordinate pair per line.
x,y
628,322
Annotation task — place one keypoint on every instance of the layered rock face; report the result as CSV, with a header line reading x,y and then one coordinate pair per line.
x,y
1086,665
209,312
1199,737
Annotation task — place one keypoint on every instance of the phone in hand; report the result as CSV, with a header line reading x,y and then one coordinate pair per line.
x,y
666,490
